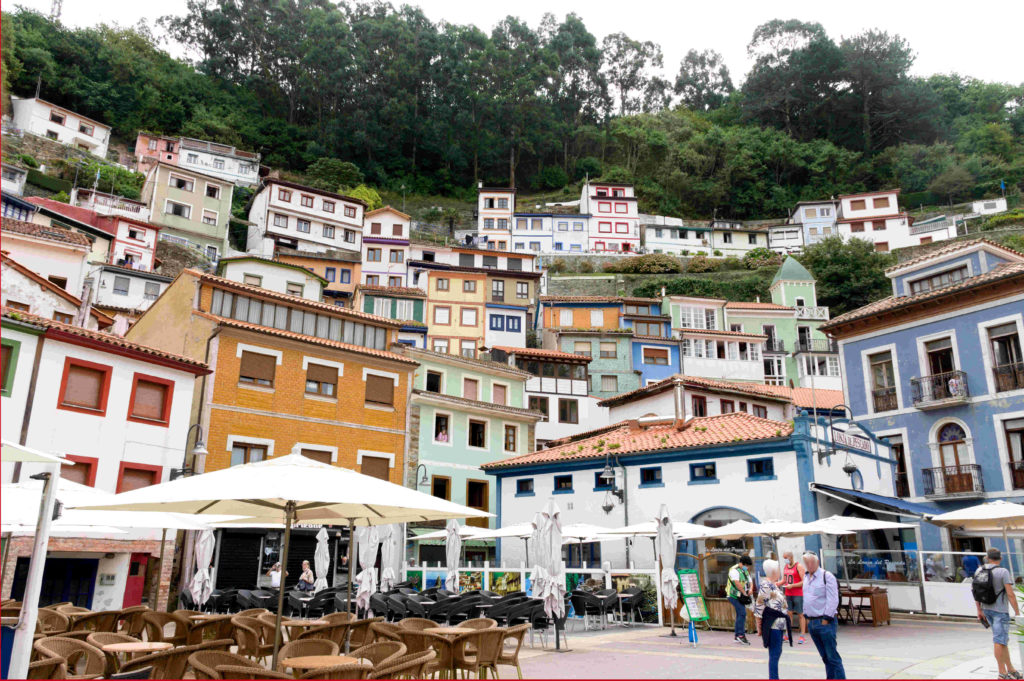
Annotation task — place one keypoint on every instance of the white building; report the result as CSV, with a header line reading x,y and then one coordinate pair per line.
x,y
989,206
23,290
385,247
816,219
494,209
54,122
220,160
614,217
56,254
709,349
108,204
505,325
303,218
690,396
876,217
672,236
120,413
786,239
125,293
13,179
273,275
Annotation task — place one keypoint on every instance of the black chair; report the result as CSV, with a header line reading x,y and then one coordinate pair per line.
x,y
244,600
431,592
490,594
439,611
446,592
185,601
227,601
414,608
296,606
586,605
407,590
342,605
379,605
499,611
634,603
513,596
264,598
464,609
322,604
397,609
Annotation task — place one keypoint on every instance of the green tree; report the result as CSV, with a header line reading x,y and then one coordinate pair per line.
x,y
849,273
333,173
703,82
953,184
368,195
875,64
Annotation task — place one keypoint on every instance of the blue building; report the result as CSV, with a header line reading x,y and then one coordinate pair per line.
x,y
937,369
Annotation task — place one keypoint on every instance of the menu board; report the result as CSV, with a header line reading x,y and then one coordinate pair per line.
x,y
695,608
693,598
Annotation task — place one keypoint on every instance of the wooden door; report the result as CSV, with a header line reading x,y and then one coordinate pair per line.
x,y
135,584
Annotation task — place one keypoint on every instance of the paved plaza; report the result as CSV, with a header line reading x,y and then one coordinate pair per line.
x,y
906,649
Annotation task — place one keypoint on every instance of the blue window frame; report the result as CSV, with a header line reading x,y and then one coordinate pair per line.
x,y
524,487
497,322
558,246
601,485
703,473
513,324
346,276
761,469
651,477
329,274
563,484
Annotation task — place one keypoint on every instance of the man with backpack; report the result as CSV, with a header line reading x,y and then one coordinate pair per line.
x,y
992,588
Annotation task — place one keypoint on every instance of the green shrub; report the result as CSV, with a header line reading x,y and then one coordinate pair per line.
x,y
686,251
557,266
653,263
585,267
1011,218
732,263
761,257
62,197
29,160
54,184
552,177
702,264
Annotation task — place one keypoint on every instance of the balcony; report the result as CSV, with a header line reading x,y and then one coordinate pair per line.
x,y
775,345
1017,474
953,481
1009,377
819,313
937,225
816,345
939,390
884,399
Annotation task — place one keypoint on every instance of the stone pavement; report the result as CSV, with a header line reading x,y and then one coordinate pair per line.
x,y
906,649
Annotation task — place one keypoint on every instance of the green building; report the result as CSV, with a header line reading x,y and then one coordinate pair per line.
x,y
611,367
193,209
402,303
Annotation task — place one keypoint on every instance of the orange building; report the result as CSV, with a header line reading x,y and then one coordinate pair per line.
x,y
590,312
455,311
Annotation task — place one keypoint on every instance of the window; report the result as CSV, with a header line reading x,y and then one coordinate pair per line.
x,y
655,356
136,476
469,286
513,324
500,394
346,276
247,453
396,256
212,191
880,202
440,345
535,246
488,223
305,200
350,212
8,364
649,329
178,209
50,134
539,404
210,217
373,254
940,280
321,380
751,238
608,349
380,390
703,472
434,381
510,438
883,382
700,405
84,387
467,348
477,434
82,470
1013,429
350,236
442,431
467,316
375,228
728,406
601,484
952,447
568,411
302,226
882,247
64,317
280,220
497,322
610,384
442,285
651,477
856,226
257,369
743,407
760,411
563,484
760,468
18,306
373,280
524,487
442,315
294,288
727,238
57,117
403,308
152,145
328,206
498,289
441,487
858,204
182,183
328,231
397,230
597,318
502,203
1007,360
621,228
284,195
581,348
565,317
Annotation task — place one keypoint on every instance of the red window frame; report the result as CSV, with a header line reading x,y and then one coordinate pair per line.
x,y
166,419
350,212
604,227
621,208
604,206
92,461
284,195
599,246
156,470
104,391
622,228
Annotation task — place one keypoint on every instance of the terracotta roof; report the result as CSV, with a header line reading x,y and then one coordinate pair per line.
x,y
58,234
294,300
596,299
805,398
370,239
999,273
490,406
382,354
632,438
541,352
143,351
752,389
732,305
101,318
722,332
85,216
394,290
387,208
948,247
484,364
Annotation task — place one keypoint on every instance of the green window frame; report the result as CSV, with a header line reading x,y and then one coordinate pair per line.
x,y
11,368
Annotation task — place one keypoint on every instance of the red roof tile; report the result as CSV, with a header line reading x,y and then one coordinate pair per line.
x,y
102,319
541,352
58,234
77,213
753,389
802,397
597,299
733,305
630,438
394,290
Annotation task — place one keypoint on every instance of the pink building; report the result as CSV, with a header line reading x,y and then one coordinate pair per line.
x,y
150,148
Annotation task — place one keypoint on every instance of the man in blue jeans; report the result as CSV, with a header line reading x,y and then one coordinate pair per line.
x,y
821,601
995,613
740,586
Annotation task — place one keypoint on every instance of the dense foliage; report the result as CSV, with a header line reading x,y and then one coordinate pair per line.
x,y
849,274
434,107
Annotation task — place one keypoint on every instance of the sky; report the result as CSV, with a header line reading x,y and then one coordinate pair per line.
x,y
977,40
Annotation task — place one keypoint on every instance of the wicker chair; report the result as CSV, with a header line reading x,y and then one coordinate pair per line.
x,y
478,623
380,653
385,631
53,623
103,638
511,658
231,671
417,623
48,668
217,627
464,649
249,635
313,646
361,634
84,661
140,673
332,632
130,621
69,609
105,620
339,618
171,664
205,662
252,612
156,627
357,670
411,666
489,646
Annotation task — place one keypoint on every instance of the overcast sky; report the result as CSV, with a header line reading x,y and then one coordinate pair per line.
x,y
980,40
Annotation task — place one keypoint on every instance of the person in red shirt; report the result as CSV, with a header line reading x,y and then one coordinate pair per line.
x,y
793,581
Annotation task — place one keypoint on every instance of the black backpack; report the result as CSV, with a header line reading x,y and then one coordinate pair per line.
x,y
982,587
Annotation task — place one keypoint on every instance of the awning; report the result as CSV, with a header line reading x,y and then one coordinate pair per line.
x,y
892,505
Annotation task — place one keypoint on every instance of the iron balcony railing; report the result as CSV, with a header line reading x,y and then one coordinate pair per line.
x,y
816,345
1017,474
1009,377
774,345
964,479
884,399
946,387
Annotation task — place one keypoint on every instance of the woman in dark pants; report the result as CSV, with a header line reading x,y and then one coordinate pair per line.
x,y
740,586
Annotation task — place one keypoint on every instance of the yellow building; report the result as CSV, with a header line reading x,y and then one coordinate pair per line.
x,y
455,311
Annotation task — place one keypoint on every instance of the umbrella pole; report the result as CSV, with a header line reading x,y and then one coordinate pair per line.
x,y
1009,554
160,570
351,566
526,543
289,516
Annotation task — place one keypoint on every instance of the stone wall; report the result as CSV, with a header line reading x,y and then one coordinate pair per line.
x,y
412,459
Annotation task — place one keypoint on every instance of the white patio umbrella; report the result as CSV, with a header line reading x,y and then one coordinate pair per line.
x,y
465,532
293,488
392,546
666,545
321,560
12,451
997,518
452,551
649,528
202,583
539,557
367,540
517,531
549,580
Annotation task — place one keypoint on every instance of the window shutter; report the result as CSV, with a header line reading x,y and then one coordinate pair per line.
x,y
150,399
317,454
78,472
469,389
499,395
322,374
380,390
375,466
135,478
255,365
84,387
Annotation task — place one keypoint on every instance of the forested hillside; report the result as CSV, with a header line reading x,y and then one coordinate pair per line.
x,y
436,107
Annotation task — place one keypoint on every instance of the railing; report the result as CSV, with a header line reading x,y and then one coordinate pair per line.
x,y
1009,377
902,486
1017,474
950,386
885,399
816,345
953,480
818,312
932,226
774,345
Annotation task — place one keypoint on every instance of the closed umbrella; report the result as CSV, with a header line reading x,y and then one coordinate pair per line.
x,y
392,546
550,580
202,583
539,558
452,550
367,539
666,544
321,559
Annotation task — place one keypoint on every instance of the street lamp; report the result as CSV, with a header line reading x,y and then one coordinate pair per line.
x,y
608,476
199,449
424,481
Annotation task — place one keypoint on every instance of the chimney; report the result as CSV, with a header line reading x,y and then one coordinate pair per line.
x,y
634,425
662,291
679,395
82,316
480,184
758,298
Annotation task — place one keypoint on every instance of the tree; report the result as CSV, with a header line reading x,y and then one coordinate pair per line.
x,y
703,82
627,68
367,195
875,64
952,184
333,173
849,274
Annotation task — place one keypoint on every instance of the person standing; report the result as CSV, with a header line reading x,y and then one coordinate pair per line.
x,y
770,607
275,576
793,581
992,588
739,591
821,601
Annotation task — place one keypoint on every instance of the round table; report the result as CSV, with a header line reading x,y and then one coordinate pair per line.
x,y
448,631
304,623
137,647
307,662
202,617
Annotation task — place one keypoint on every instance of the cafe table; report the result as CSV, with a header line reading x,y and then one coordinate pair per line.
x,y
307,663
